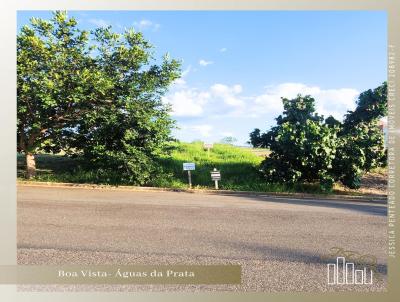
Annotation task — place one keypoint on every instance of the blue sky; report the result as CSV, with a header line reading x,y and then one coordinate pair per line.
x,y
237,64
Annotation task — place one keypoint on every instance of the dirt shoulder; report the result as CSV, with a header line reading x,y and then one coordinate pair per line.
x,y
372,183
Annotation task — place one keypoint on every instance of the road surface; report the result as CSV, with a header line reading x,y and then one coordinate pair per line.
x,y
278,242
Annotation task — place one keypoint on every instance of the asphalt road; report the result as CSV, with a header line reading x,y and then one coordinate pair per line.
x,y
278,242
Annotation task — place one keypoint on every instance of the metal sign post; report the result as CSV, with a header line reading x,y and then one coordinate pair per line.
x,y
189,167
216,176
190,179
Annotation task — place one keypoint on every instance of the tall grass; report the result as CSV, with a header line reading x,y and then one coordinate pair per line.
x,y
238,167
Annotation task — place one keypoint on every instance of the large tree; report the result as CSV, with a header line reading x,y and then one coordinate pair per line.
x,y
304,147
361,140
82,91
123,139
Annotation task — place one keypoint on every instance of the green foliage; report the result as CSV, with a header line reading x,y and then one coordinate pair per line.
x,y
239,170
132,131
238,166
304,147
94,94
255,138
371,106
361,142
56,81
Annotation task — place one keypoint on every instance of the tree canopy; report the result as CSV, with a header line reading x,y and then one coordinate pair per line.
x,y
97,94
361,141
305,147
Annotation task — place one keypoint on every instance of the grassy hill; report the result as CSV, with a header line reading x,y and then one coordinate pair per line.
x,y
238,166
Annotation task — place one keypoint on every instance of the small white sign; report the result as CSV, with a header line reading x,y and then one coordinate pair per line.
x,y
208,146
189,166
215,175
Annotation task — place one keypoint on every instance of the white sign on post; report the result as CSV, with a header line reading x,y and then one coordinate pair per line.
x,y
208,147
189,167
216,176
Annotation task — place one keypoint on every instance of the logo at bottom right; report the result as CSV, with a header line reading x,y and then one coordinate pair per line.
x,y
343,272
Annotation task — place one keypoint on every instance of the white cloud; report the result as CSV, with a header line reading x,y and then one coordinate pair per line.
x,y
229,95
227,133
203,130
221,100
203,62
223,49
186,71
187,102
197,131
334,102
181,81
100,22
146,24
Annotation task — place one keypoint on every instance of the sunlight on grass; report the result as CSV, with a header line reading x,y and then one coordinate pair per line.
x,y
238,166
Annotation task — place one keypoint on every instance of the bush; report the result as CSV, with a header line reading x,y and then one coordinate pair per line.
x,y
304,147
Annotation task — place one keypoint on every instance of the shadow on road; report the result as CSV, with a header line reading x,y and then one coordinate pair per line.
x,y
372,209
283,254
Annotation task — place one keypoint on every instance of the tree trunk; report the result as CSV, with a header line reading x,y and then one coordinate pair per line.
x,y
30,165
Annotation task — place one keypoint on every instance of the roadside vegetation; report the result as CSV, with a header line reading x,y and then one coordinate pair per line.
x,y
90,110
239,168
94,95
306,147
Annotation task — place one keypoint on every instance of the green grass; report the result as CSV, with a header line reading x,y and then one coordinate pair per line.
x,y
238,166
